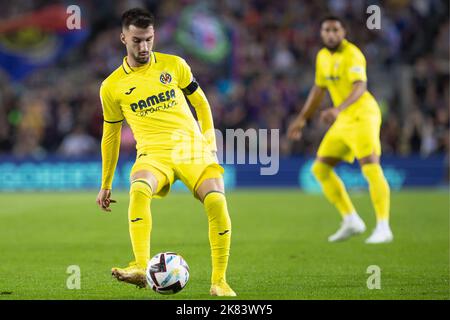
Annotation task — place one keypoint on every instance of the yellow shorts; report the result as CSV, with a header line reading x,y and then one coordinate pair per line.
x,y
168,168
350,139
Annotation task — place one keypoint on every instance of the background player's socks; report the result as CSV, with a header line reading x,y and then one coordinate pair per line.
x,y
219,234
140,220
379,190
333,188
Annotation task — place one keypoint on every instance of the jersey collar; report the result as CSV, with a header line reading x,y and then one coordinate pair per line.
x,y
341,47
128,69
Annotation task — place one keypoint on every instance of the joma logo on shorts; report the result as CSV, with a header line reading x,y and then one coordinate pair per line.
x,y
153,100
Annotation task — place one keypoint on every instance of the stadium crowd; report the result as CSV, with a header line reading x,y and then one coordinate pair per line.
x,y
262,83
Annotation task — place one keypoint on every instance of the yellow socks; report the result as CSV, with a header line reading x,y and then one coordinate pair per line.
x,y
140,220
219,233
379,190
333,188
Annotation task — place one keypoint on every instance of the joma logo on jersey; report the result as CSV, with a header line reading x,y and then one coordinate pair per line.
x,y
153,100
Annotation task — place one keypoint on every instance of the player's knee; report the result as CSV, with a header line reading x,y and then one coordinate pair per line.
x,y
214,196
211,180
214,199
373,172
321,170
371,169
216,208
141,186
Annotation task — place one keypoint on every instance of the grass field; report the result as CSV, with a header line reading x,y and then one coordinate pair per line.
x,y
279,247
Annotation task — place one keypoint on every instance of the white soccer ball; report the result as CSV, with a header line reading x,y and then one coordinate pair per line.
x,y
167,273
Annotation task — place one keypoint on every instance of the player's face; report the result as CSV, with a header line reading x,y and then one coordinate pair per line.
x,y
139,42
332,33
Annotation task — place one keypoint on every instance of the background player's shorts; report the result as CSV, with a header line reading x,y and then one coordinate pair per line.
x,y
346,140
167,168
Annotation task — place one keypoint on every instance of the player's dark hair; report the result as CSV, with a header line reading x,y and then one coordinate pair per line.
x,y
138,17
332,18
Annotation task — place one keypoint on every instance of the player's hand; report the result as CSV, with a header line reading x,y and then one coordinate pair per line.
x,y
294,131
329,115
104,199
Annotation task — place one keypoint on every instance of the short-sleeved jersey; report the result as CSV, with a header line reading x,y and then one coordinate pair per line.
x,y
337,71
151,100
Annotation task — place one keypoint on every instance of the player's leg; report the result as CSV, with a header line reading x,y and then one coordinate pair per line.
x,y
335,192
144,183
211,192
332,185
139,216
204,177
333,150
367,148
380,195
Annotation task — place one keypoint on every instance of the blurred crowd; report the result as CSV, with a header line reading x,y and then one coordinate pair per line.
x,y
262,83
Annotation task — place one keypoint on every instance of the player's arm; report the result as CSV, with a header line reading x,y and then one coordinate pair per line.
x,y
330,115
313,101
110,146
359,87
110,152
198,99
202,108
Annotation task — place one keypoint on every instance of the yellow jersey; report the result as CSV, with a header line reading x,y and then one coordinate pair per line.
x,y
337,71
151,100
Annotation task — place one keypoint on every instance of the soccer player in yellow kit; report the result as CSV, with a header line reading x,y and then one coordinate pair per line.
x,y
355,130
148,91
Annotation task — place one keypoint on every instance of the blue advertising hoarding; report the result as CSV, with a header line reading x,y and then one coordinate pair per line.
x,y
55,174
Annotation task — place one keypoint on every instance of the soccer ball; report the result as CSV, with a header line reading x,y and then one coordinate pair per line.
x,y
167,273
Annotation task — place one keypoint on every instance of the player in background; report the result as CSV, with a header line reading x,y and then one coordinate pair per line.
x,y
149,91
355,120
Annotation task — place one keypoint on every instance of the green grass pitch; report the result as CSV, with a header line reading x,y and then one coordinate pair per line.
x,y
279,248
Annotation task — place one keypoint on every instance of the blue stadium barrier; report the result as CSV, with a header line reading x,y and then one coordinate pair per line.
x,y
412,171
55,173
